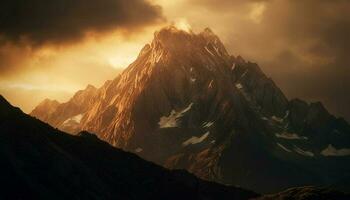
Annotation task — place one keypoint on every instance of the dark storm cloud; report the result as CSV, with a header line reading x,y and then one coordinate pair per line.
x,y
318,32
304,45
56,21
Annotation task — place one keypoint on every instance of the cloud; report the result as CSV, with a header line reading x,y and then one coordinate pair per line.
x,y
29,27
316,35
12,57
49,45
303,45
60,21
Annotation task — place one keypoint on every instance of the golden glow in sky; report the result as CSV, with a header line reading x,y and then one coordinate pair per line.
x,y
302,45
59,71
182,24
257,11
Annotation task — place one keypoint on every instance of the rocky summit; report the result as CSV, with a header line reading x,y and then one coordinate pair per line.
x,y
186,103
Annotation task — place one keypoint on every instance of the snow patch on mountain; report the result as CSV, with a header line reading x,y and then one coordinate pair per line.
x,y
216,48
245,73
138,150
207,124
277,119
172,120
233,66
332,151
239,86
290,136
303,152
284,148
211,84
74,119
211,53
196,140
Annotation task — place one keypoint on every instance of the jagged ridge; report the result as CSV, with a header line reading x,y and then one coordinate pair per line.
x,y
186,103
39,162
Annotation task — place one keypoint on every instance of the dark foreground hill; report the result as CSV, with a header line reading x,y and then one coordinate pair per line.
x,y
40,162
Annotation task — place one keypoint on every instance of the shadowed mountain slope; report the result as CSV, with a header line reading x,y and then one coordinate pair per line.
x,y
185,103
40,162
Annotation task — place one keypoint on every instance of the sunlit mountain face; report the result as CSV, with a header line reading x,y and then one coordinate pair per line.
x,y
42,52
185,103
249,94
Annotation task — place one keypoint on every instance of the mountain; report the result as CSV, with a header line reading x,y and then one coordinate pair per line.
x,y
45,109
40,162
185,103
66,116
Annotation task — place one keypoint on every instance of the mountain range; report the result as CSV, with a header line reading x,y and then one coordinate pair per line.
x,y
40,162
186,103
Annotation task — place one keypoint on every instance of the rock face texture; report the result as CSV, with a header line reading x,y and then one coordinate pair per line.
x,y
185,103
66,116
40,162
46,109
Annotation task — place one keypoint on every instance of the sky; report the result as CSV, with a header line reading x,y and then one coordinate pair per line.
x,y
50,49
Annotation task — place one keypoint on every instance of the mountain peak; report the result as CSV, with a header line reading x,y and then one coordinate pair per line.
x,y
90,87
208,33
172,29
171,36
207,29
173,42
169,33
49,101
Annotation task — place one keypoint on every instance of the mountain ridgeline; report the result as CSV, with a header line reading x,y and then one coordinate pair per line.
x,y
40,162
185,103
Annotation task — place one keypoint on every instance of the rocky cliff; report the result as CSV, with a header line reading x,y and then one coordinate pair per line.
x,y
186,103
